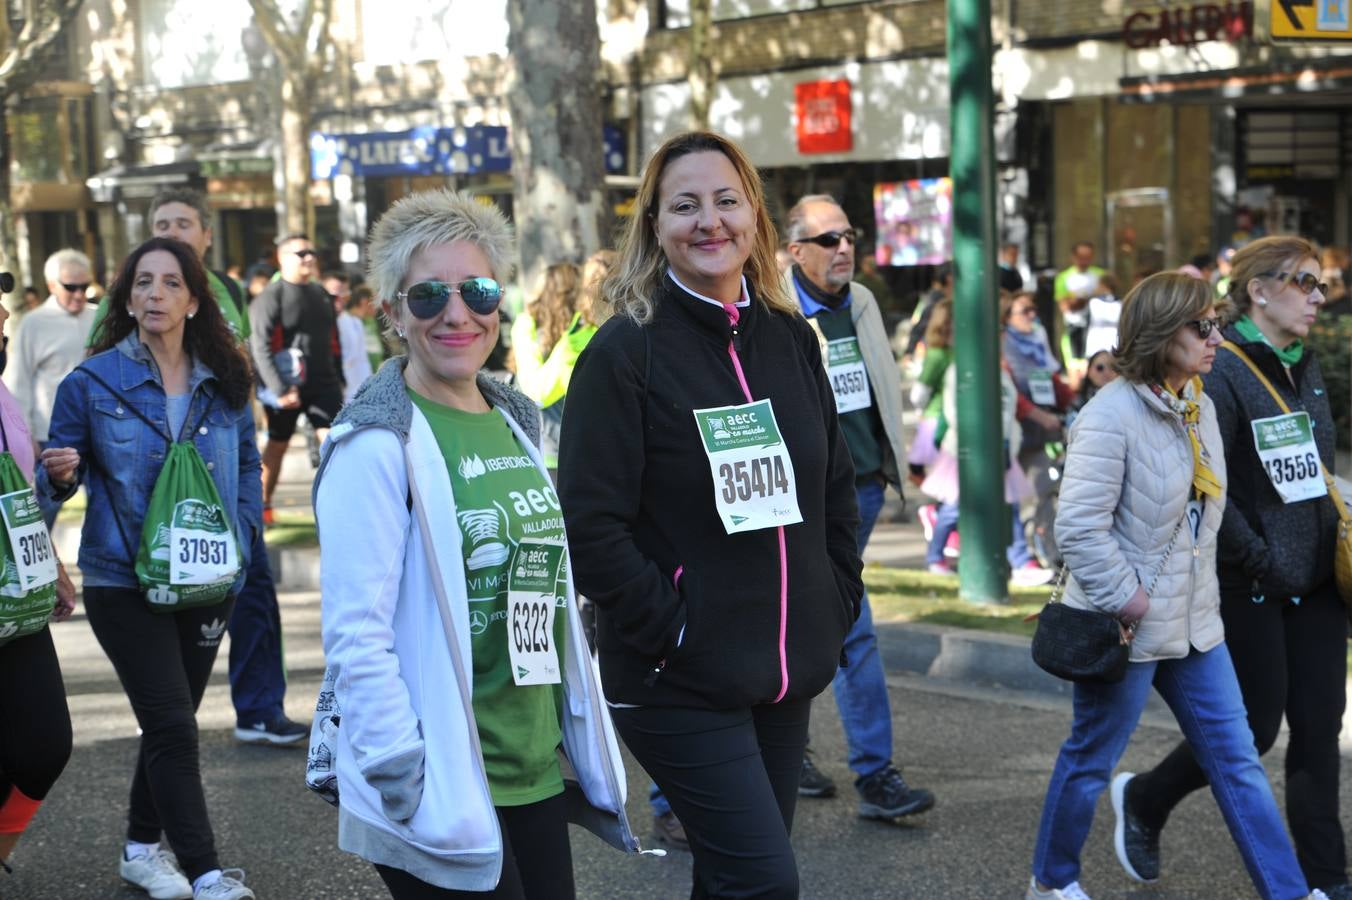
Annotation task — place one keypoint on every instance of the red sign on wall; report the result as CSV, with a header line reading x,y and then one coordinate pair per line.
x,y
823,116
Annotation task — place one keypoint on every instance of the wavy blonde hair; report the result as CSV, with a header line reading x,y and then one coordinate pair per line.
x,y
1264,258
632,286
590,303
552,310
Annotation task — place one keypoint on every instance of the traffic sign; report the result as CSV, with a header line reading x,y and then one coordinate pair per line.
x,y
1306,21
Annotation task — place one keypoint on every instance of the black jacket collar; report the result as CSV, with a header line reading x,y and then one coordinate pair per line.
x,y
706,319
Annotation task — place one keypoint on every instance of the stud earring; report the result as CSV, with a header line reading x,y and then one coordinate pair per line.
x,y
131,313
190,315
1261,301
400,332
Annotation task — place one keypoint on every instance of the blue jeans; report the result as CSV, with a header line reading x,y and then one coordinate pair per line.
x,y
257,676
1203,694
860,687
946,522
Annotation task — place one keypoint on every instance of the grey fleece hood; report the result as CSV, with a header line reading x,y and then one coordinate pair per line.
x,y
383,402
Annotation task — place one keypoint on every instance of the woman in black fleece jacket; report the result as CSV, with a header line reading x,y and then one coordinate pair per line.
x,y
713,635
1285,625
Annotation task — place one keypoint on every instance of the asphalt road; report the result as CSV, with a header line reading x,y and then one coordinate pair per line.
x,y
986,755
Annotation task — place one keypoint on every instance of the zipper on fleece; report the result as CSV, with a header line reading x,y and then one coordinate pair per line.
x,y
734,316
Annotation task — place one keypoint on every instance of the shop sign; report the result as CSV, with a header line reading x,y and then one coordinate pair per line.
x,y
1311,21
430,151
823,116
232,166
1186,25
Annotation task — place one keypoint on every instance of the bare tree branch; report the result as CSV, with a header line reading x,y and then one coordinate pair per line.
x,y
272,24
22,57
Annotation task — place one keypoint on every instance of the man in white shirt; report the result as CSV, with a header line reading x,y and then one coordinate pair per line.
x,y
48,343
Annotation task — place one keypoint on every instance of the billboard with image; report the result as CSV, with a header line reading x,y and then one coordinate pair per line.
x,y
914,221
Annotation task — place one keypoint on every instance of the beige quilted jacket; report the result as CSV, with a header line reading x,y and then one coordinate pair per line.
x,y
1127,482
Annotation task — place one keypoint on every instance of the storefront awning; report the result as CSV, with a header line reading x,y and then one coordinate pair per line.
x,y
1286,78
139,181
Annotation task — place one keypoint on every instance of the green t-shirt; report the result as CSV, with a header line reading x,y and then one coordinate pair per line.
x,y
502,498
375,345
863,428
238,322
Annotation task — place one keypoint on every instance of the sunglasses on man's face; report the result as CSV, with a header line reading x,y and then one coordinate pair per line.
x,y
80,289
427,299
305,254
1306,281
831,239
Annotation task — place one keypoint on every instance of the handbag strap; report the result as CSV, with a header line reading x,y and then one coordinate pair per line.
x,y
1058,589
1338,505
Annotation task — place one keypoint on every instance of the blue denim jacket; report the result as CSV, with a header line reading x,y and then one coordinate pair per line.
x,y
121,456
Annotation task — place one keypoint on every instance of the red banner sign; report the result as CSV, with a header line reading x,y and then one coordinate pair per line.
x,y
823,116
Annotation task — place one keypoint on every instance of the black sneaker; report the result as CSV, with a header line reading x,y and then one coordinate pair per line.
x,y
281,731
1137,844
885,795
811,781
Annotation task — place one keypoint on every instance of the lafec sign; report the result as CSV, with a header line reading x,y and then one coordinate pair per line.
x,y
1306,21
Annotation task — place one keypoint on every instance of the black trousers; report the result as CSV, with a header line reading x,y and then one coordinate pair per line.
x,y
543,871
35,738
1290,659
163,661
731,777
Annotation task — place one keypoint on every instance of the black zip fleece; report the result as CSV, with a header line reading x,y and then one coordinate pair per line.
x,y
638,503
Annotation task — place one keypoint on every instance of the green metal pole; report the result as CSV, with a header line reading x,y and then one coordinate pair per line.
x,y
984,518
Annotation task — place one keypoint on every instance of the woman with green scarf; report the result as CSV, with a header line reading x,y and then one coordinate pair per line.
x,y
1285,624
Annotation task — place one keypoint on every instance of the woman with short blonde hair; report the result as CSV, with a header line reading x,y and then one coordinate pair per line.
x,y
1141,505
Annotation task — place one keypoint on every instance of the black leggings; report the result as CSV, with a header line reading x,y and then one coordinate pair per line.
x,y
163,661
35,739
731,777
1290,659
538,826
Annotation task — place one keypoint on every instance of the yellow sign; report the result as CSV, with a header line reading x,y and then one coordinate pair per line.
x,y
1311,20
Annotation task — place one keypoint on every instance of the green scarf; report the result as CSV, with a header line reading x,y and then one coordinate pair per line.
x,y
1289,355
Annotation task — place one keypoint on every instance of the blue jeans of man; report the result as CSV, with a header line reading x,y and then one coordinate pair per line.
x,y
860,687
1203,693
257,676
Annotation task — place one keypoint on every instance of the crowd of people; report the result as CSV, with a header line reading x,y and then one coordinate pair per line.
x,y
675,564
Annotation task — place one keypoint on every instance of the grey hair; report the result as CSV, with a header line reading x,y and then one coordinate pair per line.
x,y
797,218
188,197
428,219
51,270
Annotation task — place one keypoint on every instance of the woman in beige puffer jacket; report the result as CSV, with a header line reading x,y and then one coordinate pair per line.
x,y
1140,505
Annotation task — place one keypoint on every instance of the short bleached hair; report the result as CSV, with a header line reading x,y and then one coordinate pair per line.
x,y
51,270
429,219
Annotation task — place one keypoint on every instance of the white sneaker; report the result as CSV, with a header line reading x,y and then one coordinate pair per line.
x,y
1072,891
1031,575
229,887
157,874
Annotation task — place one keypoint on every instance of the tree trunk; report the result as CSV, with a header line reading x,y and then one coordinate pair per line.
x,y
299,214
702,75
9,241
558,170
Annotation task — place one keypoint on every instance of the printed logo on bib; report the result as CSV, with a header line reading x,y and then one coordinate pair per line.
x,y
34,561
1041,390
753,476
849,378
531,603
1286,447
200,547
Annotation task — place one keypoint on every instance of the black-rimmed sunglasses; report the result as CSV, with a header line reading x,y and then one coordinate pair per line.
x,y
831,239
1205,326
1306,281
427,299
76,288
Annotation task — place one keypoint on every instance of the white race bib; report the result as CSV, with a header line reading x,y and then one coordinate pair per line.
x,y
1286,447
28,538
754,485
1040,387
849,378
531,597
202,549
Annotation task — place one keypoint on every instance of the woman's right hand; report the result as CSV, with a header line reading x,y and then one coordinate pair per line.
x,y
1135,609
61,464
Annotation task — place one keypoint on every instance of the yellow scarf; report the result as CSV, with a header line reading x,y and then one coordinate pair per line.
x,y
1203,479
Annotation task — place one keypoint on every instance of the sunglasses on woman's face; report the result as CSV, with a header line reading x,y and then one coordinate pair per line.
x,y
1205,326
1306,281
427,299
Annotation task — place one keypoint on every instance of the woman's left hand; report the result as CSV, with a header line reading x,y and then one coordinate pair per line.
x,y
65,595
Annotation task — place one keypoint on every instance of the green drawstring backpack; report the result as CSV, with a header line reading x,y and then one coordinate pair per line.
x,y
27,559
188,555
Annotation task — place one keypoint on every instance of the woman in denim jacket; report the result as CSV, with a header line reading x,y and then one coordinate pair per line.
x,y
164,355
